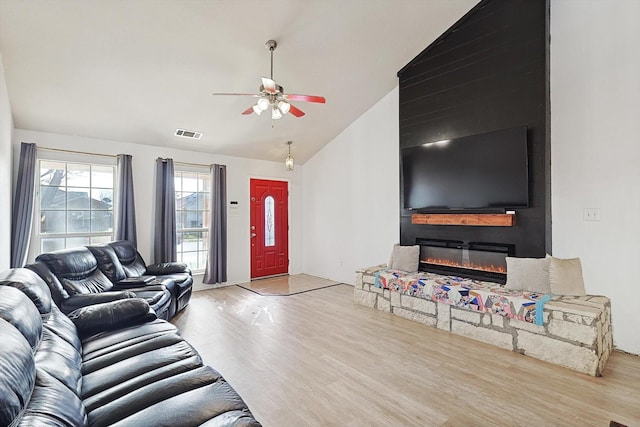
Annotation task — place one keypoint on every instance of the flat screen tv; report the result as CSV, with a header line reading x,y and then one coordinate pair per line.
x,y
481,172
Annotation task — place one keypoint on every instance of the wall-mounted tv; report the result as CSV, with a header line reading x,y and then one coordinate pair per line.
x,y
488,171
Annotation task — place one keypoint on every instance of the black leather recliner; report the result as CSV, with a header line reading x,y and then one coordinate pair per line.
x,y
175,275
78,276
106,364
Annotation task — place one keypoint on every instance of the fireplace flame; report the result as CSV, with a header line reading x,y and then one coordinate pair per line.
x,y
470,266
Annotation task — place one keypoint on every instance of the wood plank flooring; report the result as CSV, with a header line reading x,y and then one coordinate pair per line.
x,y
317,359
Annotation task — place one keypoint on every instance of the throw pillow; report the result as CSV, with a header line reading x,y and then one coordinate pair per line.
x,y
565,276
405,258
528,274
390,262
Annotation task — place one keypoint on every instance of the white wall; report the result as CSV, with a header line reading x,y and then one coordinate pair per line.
x,y
351,196
6,130
595,140
239,171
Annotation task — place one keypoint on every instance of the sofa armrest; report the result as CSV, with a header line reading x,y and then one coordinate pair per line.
x,y
111,316
168,268
134,282
77,301
158,287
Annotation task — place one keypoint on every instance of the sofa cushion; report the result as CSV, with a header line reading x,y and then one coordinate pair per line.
x,y
30,284
96,283
61,326
97,346
121,372
17,373
131,261
77,269
58,293
72,263
16,309
186,395
53,403
108,262
200,395
60,359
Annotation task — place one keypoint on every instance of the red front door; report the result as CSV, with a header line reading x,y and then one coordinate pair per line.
x,y
269,228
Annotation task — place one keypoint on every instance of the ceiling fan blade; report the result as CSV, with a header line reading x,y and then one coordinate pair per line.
x,y
269,85
248,111
237,94
296,111
306,98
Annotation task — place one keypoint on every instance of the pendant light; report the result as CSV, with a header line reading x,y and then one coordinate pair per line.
x,y
288,162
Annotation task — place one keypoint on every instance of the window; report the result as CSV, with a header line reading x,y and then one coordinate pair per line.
x,y
193,192
269,225
75,204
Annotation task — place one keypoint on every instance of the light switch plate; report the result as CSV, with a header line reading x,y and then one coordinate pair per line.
x,y
591,214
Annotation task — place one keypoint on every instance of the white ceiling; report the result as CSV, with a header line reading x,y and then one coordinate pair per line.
x,y
136,70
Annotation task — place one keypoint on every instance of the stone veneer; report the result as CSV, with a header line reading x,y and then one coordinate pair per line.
x,y
576,333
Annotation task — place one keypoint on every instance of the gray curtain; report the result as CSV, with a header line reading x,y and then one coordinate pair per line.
x,y
23,205
216,270
164,245
126,215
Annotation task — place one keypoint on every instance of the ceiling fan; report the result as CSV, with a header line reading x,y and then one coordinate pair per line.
x,y
272,96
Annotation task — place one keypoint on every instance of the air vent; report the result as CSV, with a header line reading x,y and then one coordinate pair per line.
x,y
188,133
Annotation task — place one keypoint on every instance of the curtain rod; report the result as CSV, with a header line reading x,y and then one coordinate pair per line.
x,y
190,164
61,150
111,155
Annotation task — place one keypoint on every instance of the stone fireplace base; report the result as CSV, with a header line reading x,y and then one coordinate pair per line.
x,y
576,333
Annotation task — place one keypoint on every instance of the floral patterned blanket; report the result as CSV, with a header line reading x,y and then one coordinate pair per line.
x,y
462,292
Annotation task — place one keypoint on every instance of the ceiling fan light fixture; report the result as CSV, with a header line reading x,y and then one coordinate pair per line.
x,y
284,107
272,95
263,104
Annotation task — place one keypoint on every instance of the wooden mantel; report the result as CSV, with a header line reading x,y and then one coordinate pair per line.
x,y
491,220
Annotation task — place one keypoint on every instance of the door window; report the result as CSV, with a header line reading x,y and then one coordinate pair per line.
x,y
269,222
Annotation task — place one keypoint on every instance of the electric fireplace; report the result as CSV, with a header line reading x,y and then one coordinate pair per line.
x,y
476,260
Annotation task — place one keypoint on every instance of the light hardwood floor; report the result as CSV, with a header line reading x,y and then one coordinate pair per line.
x,y
317,359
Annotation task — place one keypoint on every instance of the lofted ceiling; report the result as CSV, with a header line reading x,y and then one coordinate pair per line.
x,y
136,70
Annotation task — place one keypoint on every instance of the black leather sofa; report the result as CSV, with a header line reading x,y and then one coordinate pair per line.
x,y
112,363
94,274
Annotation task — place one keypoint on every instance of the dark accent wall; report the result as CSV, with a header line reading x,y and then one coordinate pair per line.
x,y
489,71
